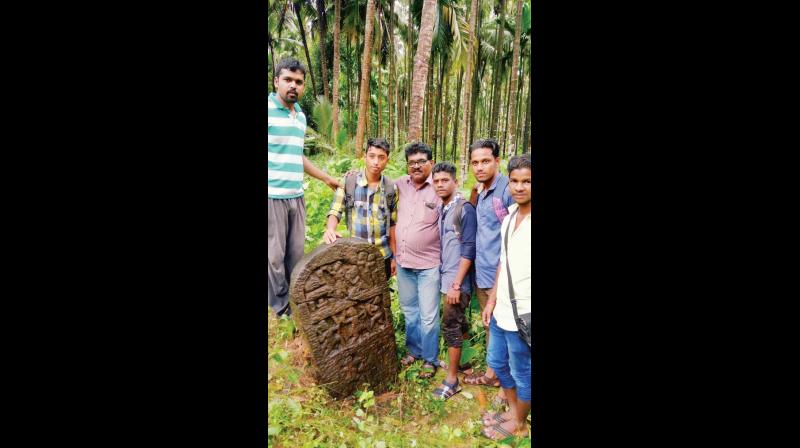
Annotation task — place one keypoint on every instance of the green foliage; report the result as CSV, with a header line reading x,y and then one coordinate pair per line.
x,y
323,117
526,18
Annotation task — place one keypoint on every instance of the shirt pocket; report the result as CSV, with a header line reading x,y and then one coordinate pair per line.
x,y
430,215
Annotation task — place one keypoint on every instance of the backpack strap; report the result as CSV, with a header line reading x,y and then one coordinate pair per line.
x,y
499,189
388,186
349,202
457,218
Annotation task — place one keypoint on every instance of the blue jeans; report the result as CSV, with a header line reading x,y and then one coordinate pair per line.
x,y
510,358
418,291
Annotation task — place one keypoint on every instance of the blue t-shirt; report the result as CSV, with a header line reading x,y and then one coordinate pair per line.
x,y
487,240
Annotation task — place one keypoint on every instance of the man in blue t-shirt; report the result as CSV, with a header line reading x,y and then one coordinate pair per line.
x,y
491,198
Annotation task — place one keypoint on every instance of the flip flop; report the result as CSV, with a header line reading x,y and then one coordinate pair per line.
x,y
446,390
497,430
497,417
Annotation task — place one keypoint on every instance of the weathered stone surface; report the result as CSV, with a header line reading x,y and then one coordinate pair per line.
x,y
340,301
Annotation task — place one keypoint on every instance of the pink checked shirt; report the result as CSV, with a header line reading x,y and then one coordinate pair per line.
x,y
417,230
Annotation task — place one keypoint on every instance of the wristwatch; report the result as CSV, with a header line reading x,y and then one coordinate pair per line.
x,y
455,286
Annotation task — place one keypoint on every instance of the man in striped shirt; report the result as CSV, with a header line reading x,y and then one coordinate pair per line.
x,y
286,209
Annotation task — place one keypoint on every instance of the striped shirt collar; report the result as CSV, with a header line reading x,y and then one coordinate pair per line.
x,y
274,97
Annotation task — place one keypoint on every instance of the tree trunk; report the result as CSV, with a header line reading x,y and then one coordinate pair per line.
x,y
455,121
302,29
437,133
363,97
429,121
473,15
421,61
514,76
392,75
323,56
271,86
496,70
442,122
409,67
526,134
480,62
335,98
518,115
379,128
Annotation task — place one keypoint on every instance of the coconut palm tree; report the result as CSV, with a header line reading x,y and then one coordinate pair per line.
x,y
363,98
514,77
421,61
473,15
297,5
336,58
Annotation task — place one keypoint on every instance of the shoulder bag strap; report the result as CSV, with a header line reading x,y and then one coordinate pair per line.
x,y
508,267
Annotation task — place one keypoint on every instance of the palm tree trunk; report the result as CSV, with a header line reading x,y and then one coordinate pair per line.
x,y
335,98
468,90
363,97
429,121
514,69
498,46
518,126
526,134
437,133
455,127
409,66
392,74
442,123
323,56
302,29
380,105
421,61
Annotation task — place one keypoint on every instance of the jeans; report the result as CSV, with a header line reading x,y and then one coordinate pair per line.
x,y
510,358
418,291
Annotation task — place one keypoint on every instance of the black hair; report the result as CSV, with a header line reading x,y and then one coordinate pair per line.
x,y
420,147
378,143
290,64
444,167
485,143
520,162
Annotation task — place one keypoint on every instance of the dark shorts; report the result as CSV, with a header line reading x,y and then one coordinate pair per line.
x,y
455,321
483,296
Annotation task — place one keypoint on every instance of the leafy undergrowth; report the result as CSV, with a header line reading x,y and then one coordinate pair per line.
x,y
301,414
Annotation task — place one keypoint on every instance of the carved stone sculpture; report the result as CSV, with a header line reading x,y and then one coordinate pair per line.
x,y
340,301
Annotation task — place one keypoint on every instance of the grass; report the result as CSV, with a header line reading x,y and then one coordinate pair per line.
x,y
301,414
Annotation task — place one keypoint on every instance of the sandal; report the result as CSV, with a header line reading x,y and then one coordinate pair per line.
x,y
497,417
497,429
446,390
428,370
408,360
481,380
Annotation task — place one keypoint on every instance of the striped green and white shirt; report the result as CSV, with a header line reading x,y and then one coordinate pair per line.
x,y
284,150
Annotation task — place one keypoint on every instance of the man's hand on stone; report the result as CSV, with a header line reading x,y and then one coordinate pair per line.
x,y
330,236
